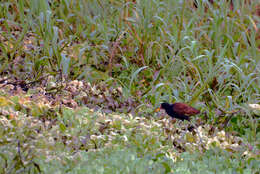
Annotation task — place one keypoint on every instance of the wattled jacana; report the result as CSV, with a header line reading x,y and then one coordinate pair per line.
x,y
180,111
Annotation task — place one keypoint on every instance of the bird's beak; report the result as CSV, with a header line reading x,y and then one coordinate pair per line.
x,y
157,109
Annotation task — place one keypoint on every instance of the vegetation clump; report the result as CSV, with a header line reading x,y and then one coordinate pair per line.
x,y
80,80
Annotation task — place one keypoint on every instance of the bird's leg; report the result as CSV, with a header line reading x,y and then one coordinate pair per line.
x,y
186,129
197,132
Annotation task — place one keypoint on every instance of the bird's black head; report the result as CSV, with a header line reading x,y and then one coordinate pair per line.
x,y
165,106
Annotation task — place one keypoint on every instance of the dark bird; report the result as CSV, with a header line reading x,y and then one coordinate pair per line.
x,y
180,111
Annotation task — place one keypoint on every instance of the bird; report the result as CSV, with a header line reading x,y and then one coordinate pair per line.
x,y
180,111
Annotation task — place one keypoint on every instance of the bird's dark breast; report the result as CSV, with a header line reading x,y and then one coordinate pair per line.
x,y
176,115
183,117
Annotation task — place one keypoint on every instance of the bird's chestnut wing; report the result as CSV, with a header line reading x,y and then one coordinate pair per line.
x,y
184,109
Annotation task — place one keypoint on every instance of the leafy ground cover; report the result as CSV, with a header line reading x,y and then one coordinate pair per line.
x,y
34,139
80,81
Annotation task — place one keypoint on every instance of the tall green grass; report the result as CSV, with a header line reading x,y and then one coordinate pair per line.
x,y
156,50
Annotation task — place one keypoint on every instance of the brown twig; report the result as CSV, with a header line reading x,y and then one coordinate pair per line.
x,y
113,51
134,34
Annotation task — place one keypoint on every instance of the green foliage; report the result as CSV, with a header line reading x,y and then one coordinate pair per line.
x,y
149,51
215,161
82,140
110,161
